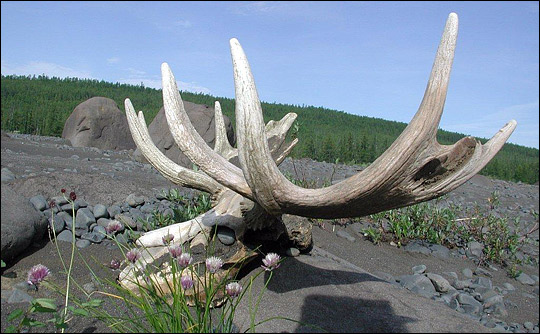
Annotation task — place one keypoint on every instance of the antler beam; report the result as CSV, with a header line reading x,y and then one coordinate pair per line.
x,y
415,167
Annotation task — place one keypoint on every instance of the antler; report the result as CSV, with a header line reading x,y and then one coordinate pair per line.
x,y
415,167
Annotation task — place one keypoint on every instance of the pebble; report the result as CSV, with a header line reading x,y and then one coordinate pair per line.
x,y
292,252
226,235
467,273
525,279
420,269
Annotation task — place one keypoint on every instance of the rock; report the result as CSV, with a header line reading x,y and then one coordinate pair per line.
x,y
486,295
525,279
439,282
292,252
98,122
481,271
133,200
417,247
462,284
7,175
58,224
420,269
126,220
100,211
84,218
418,283
439,251
474,249
467,273
491,301
469,304
202,119
168,212
225,235
485,282
528,325
100,230
93,237
114,210
103,222
66,217
65,235
21,223
39,202
82,243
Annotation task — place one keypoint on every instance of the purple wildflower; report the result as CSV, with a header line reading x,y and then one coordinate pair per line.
x,y
115,264
271,261
72,196
175,251
114,226
133,255
233,289
167,239
63,190
184,260
52,204
213,264
186,282
37,274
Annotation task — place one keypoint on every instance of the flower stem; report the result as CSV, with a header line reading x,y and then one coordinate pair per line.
x,y
71,260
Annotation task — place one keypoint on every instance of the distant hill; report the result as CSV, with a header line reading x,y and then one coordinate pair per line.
x,y
40,105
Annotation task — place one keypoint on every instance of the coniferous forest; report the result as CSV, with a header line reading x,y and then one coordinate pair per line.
x,y
40,105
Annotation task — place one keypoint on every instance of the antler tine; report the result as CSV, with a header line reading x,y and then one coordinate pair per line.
x,y
413,169
275,131
260,171
222,145
191,143
175,173
481,156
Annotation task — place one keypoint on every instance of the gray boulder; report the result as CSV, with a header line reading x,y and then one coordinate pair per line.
x,y
98,122
21,223
202,118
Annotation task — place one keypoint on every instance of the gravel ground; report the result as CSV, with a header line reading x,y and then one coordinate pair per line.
x,y
44,165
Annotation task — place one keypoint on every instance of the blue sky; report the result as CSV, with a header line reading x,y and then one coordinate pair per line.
x,y
364,58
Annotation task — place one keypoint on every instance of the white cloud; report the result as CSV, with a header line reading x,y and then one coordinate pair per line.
x,y
48,69
135,72
113,60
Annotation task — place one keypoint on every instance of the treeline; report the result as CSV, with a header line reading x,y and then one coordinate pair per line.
x,y
40,105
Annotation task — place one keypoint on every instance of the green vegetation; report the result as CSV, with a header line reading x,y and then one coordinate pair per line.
x,y
454,227
40,105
